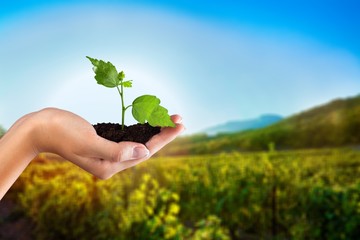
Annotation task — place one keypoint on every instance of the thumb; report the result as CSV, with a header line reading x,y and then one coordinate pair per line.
x,y
117,152
131,151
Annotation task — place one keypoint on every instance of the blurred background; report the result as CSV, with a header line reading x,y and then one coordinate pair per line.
x,y
269,94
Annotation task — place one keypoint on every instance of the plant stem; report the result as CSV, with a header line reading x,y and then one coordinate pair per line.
x,y
121,92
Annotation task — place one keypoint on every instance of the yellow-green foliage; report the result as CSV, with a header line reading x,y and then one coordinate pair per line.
x,y
288,195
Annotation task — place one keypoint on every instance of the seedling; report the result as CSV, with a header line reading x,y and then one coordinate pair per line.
x,y
144,108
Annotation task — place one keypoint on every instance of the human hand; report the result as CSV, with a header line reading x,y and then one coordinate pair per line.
x,y
75,139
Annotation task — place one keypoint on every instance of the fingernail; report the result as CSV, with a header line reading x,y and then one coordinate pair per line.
x,y
139,152
179,120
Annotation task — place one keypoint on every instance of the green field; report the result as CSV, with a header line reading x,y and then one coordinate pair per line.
x,y
312,194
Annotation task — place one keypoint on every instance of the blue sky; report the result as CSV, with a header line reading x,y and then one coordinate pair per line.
x,y
210,61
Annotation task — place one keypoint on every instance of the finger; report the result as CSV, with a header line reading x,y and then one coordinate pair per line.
x,y
123,151
176,118
164,137
128,164
104,169
100,168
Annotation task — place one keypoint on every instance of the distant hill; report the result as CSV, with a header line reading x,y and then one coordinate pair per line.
x,y
334,124
2,131
241,125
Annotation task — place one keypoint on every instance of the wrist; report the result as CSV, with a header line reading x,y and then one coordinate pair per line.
x,y
39,127
26,130
47,130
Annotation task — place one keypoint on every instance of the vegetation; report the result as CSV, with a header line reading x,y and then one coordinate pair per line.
x,y
2,131
144,108
313,194
332,125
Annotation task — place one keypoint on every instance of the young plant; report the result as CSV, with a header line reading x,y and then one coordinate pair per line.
x,y
144,108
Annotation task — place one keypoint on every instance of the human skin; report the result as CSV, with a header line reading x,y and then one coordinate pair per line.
x,y
72,137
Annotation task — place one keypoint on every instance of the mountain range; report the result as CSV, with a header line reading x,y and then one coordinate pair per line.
x,y
241,125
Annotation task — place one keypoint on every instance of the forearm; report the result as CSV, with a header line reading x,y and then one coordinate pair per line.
x,y
16,152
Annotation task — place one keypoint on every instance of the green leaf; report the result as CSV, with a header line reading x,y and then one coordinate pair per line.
x,y
127,84
147,108
105,73
121,75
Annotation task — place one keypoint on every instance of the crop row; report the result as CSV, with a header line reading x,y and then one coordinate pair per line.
x,y
267,195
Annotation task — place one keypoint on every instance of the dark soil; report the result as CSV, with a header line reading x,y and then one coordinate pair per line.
x,y
140,133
